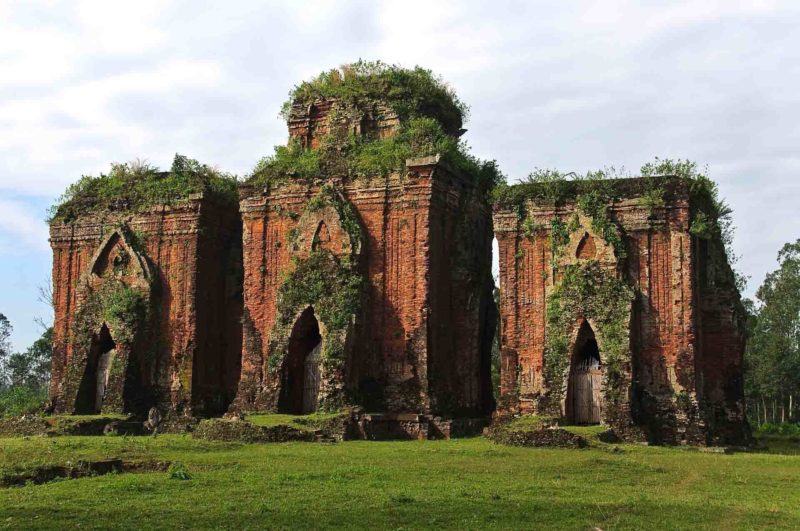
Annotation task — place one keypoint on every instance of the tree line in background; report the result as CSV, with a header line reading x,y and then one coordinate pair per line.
x,y
24,376
772,358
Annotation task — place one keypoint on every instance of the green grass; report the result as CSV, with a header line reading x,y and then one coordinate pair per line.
x,y
302,422
527,422
590,433
467,483
781,444
534,422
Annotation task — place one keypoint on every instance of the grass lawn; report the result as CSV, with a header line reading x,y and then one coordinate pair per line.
x,y
466,483
302,422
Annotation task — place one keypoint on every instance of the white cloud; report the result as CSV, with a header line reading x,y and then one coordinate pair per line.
x,y
20,228
573,85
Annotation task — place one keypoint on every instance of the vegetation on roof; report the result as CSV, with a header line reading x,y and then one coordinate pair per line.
x,y
430,118
136,185
409,92
355,156
595,191
554,186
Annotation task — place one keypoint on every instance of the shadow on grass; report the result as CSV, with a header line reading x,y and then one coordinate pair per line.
x,y
778,444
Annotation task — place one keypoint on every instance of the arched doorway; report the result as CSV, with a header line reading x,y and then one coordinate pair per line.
x,y
584,397
94,384
300,378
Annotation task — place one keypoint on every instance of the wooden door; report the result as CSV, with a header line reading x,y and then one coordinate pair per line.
x,y
586,398
596,379
103,370
581,396
311,380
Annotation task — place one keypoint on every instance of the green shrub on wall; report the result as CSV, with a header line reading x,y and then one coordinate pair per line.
x,y
124,310
595,190
132,186
333,287
329,196
409,92
122,307
330,285
588,291
430,113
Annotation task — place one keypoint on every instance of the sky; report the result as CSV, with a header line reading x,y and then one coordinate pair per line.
x,y
570,85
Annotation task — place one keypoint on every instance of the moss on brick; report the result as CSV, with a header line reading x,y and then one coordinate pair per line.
x,y
589,291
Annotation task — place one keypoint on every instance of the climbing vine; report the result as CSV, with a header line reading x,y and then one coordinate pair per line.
x,y
333,287
123,309
559,236
115,303
602,295
326,282
329,196
594,192
588,291
711,216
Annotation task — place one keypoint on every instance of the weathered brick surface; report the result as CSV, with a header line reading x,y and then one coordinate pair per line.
x,y
686,335
421,341
185,358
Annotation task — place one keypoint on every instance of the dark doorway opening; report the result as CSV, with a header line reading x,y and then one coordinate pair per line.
x,y
94,385
584,401
300,377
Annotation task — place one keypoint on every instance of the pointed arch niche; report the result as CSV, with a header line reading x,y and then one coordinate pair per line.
x,y
104,372
586,245
583,403
300,377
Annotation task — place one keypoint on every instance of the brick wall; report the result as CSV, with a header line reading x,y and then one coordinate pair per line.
x,y
678,376
189,251
419,342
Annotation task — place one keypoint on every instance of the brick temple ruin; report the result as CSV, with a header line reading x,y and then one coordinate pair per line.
x,y
651,338
375,292
171,271
419,339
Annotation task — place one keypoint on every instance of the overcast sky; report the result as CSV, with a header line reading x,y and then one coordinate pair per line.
x,y
567,85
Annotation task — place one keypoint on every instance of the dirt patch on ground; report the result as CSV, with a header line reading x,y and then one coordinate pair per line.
x,y
243,431
549,437
33,425
45,473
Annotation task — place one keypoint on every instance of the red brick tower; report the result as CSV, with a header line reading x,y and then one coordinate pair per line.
x,y
147,304
615,310
417,243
